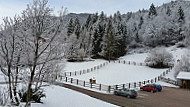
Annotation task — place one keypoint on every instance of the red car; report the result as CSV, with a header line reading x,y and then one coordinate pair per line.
x,y
148,87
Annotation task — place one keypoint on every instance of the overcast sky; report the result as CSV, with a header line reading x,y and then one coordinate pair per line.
x,y
12,7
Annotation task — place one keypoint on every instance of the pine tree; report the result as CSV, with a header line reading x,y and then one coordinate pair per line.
x,y
96,43
109,41
168,11
141,22
77,27
152,10
70,28
181,14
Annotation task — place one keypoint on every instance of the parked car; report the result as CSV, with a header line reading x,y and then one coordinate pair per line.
x,y
149,87
131,93
158,87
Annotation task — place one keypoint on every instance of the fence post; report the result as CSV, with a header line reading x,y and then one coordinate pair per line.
x,y
71,80
109,89
100,87
90,85
77,81
116,87
134,84
84,84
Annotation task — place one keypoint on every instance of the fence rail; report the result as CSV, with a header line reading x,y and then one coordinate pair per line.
x,y
111,88
84,71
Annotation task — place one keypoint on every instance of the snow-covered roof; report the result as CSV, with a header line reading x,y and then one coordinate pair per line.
x,y
183,75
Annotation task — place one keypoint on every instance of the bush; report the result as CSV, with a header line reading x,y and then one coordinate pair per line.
x,y
183,65
160,57
36,95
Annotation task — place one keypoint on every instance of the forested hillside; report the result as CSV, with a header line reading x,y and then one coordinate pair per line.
x,y
111,36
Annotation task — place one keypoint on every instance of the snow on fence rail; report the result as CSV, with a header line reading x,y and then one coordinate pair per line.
x,y
109,88
75,73
139,64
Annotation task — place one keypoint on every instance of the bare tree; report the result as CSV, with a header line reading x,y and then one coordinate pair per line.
x,y
10,54
42,50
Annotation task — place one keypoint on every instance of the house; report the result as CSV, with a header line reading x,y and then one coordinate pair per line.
x,y
184,79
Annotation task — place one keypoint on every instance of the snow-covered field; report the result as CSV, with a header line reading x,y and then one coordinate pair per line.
x,y
111,74
77,66
117,73
61,97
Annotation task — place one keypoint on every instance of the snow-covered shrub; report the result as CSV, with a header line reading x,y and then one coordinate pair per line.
x,y
36,95
181,45
3,96
183,65
160,57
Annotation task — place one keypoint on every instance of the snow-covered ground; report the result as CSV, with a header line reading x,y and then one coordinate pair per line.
x,y
77,66
62,97
117,73
111,74
2,77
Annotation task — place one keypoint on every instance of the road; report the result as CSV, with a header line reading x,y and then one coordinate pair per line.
x,y
169,97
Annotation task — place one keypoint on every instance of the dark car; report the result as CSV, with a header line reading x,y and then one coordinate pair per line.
x,y
149,87
158,87
131,93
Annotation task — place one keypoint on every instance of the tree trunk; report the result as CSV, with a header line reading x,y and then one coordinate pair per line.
x,y
10,82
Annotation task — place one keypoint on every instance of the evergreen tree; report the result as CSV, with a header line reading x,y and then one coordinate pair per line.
x,y
70,28
152,10
181,14
141,22
168,11
109,41
96,43
77,27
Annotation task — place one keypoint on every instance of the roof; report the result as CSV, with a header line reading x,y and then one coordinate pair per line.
x,y
183,75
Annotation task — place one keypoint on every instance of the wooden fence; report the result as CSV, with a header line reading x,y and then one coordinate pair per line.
x,y
75,73
140,64
111,88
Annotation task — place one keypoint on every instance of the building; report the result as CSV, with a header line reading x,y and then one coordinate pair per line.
x,y
184,79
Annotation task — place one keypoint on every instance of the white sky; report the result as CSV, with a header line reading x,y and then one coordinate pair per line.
x,y
12,7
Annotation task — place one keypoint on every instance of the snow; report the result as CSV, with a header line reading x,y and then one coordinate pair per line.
x,y
77,66
2,77
111,74
139,58
117,73
183,75
62,97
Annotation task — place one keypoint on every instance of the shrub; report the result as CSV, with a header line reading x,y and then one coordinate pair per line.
x,y
36,95
160,57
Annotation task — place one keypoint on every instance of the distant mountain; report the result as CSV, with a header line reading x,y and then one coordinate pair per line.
x,y
81,16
